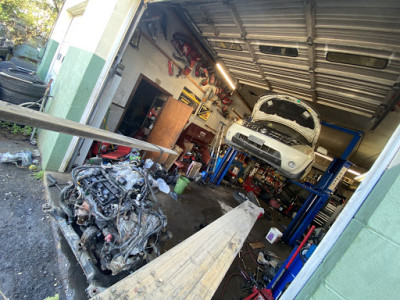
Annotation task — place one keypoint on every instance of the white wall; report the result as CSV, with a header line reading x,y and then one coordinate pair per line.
x,y
147,60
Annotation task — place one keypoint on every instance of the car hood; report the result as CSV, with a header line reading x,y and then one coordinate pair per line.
x,y
291,112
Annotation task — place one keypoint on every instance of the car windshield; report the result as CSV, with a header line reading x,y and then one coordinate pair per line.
x,y
284,131
289,110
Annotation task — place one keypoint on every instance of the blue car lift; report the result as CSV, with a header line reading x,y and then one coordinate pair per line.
x,y
320,193
222,167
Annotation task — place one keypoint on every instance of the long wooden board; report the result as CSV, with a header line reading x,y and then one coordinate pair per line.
x,y
21,115
194,268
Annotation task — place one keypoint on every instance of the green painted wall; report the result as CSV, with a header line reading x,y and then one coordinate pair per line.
x,y
44,66
364,262
71,92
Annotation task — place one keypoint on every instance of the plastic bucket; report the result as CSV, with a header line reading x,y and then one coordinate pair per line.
x,y
273,235
181,184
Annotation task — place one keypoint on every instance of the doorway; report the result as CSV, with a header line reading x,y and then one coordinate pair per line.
x,y
144,106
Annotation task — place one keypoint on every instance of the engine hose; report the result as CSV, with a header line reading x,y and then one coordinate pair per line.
x,y
144,238
303,259
146,180
73,175
133,244
98,214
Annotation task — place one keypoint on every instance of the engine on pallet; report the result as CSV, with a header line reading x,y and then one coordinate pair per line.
x,y
118,224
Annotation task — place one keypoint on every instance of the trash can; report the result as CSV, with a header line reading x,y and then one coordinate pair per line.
x,y
181,184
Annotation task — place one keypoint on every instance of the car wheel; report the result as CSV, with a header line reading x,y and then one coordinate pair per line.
x,y
24,64
15,98
6,65
22,83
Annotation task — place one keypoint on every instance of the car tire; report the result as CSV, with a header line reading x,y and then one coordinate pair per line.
x,y
15,98
6,65
24,64
22,83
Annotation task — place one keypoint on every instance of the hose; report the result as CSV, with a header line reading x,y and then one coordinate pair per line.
x,y
302,257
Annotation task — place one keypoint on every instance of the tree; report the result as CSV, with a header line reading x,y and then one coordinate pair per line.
x,y
25,19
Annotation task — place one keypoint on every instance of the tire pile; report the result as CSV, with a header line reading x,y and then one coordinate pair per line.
x,y
19,85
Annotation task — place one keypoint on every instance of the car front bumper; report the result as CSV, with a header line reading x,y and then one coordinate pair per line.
x,y
272,151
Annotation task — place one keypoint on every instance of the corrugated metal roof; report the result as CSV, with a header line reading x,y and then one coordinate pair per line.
x,y
369,28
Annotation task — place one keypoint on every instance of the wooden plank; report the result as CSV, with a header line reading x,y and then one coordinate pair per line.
x,y
257,245
194,268
21,115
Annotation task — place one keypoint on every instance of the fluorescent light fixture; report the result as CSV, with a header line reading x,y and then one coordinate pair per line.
x,y
330,159
354,172
227,78
361,177
324,156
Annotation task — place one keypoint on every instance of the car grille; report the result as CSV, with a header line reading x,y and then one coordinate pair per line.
x,y
263,151
276,135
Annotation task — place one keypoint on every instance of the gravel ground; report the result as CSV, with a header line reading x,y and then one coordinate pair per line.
x,y
28,264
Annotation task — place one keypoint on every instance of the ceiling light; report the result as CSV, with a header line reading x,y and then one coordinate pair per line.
x,y
354,172
361,177
227,78
324,156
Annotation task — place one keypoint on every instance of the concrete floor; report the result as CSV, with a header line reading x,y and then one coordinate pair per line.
x,y
198,206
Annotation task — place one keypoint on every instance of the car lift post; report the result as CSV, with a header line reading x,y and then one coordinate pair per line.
x,y
321,192
223,165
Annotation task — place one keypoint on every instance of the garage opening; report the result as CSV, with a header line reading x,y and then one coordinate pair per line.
x,y
231,144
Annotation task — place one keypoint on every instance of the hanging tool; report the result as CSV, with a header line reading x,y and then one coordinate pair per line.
x,y
173,62
215,148
52,182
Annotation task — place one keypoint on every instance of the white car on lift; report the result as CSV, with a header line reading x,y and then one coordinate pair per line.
x,y
283,132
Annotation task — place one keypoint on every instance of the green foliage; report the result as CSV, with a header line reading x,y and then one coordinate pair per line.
x,y
27,131
4,124
25,19
38,175
16,129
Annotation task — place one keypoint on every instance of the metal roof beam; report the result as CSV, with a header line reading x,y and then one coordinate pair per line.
x,y
310,27
392,98
208,20
239,24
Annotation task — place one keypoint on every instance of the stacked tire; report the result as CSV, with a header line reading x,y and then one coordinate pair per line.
x,y
18,85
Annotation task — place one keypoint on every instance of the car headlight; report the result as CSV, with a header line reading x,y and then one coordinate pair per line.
x,y
263,130
291,164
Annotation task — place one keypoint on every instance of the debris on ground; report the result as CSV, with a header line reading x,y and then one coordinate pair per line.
x,y
24,158
28,261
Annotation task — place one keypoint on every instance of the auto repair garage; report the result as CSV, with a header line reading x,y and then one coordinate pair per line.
x,y
257,141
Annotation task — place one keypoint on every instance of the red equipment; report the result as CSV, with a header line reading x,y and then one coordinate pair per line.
x,y
249,186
